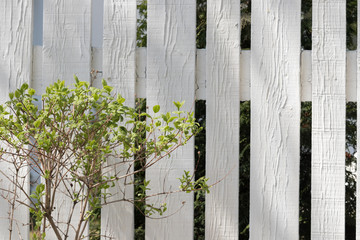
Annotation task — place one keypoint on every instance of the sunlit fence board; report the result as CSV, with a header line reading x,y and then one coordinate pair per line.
x,y
119,43
15,69
275,119
171,77
66,51
328,120
222,118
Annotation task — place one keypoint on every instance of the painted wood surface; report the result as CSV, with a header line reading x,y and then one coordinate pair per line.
x,y
222,118
328,120
245,73
119,69
66,51
15,69
171,77
66,43
275,119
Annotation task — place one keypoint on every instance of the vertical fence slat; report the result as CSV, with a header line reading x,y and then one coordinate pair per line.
x,y
222,118
171,77
275,119
66,51
119,69
15,69
66,41
328,119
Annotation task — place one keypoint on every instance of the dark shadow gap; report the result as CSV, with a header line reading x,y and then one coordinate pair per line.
x,y
244,171
306,24
350,171
305,172
245,24
200,153
351,24
201,23
141,33
139,178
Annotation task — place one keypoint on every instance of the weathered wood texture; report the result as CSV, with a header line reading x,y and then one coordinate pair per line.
x,y
15,69
222,118
328,120
171,77
66,51
275,119
245,73
119,69
66,43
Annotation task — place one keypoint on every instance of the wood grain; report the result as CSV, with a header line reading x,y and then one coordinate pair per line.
x,y
222,118
275,119
328,120
171,77
15,69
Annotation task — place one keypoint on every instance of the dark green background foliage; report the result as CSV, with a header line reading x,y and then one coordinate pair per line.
x,y
305,127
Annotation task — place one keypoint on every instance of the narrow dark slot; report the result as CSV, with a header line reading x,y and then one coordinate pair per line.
x,y
351,24
38,22
350,172
201,6
306,24
245,24
244,181
305,172
139,178
200,152
141,34
95,219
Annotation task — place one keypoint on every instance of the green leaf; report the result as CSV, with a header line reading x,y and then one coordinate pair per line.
x,y
24,86
17,93
103,82
76,79
156,108
11,95
31,91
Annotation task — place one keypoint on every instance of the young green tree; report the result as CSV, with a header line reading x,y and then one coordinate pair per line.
x,y
70,140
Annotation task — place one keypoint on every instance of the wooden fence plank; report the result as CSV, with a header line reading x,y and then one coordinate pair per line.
x,y
328,120
66,51
222,118
66,43
171,77
119,69
275,119
15,69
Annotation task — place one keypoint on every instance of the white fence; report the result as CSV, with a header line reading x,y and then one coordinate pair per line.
x,y
171,69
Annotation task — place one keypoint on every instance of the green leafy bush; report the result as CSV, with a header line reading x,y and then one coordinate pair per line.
x,y
70,140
